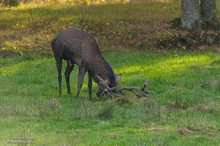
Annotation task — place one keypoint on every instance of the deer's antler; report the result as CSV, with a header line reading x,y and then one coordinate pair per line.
x,y
139,92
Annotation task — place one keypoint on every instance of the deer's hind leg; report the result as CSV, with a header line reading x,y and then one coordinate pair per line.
x,y
59,69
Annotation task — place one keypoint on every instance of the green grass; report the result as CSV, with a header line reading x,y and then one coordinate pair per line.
x,y
186,86
133,37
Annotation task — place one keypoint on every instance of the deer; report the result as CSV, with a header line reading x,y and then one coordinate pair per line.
x,y
78,47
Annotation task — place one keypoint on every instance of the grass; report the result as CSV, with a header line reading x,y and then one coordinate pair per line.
x,y
183,111
187,96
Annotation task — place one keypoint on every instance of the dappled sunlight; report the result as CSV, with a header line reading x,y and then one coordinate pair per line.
x,y
18,66
31,28
163,68
130,69
158,68
12,68
176,65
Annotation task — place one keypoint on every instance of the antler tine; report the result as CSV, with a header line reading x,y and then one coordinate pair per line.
x,y
145,84
109,94
107,90
103,82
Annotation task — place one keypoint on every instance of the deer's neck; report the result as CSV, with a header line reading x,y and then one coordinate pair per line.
x,y
104,70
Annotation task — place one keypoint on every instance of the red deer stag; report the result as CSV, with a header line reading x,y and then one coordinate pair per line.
x,y
79,47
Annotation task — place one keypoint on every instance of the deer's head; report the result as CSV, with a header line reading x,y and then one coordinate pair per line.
x,y
104,84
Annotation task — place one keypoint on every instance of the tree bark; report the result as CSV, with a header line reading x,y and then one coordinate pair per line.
x,y
190,18
208,10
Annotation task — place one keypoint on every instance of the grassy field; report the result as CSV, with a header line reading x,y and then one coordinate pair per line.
x,y
183,111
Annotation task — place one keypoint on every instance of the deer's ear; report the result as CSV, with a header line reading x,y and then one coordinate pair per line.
x,y
118,78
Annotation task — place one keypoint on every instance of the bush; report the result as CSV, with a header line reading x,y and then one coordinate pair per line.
x,y
10,3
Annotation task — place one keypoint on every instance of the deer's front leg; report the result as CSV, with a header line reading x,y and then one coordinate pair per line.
x,y
81,75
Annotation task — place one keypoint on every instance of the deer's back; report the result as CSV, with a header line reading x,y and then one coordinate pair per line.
x,y
76,45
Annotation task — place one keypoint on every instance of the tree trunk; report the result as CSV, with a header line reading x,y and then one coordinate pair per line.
x,y
191,18
208,10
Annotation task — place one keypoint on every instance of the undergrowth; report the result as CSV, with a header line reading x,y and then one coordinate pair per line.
x,y
134,26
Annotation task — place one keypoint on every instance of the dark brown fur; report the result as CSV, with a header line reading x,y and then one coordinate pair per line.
x,y
79,47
